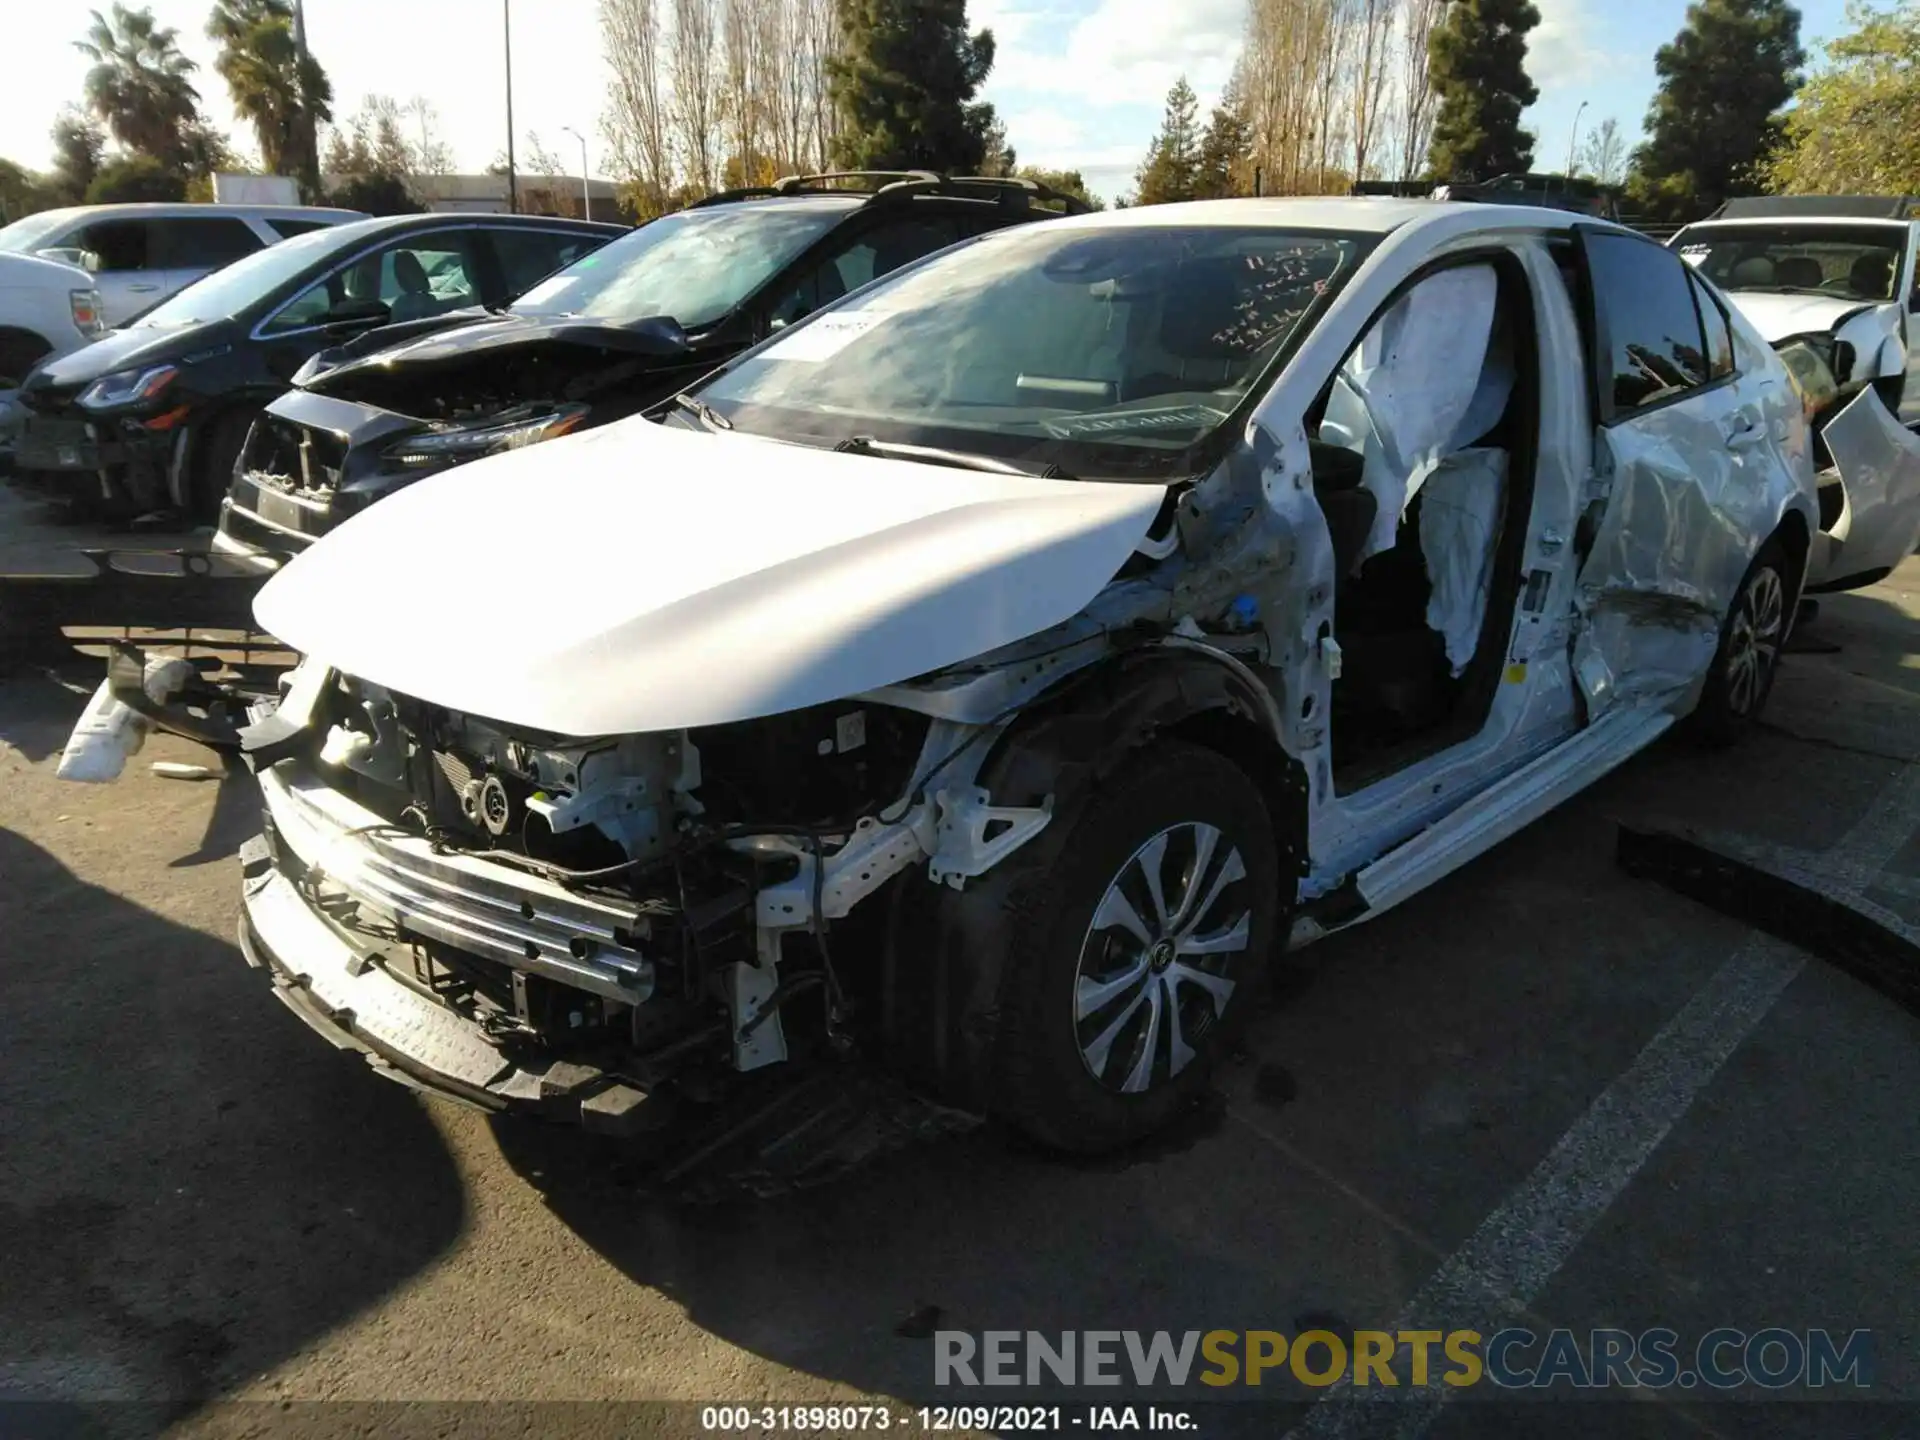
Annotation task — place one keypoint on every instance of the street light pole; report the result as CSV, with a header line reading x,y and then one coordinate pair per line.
x,y
586,193
513,185
1572,141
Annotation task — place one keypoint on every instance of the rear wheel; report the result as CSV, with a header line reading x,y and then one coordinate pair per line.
x,y
1133,955
1741,676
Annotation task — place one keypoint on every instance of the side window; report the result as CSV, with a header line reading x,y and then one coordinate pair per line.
x,y
1655,349
865,256
287,229
201,244
410,279
528,256
120,244
1719,332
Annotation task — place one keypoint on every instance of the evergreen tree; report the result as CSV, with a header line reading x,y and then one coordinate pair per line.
x,y
1714,120
1478,62
1171,170
1221,163
903,84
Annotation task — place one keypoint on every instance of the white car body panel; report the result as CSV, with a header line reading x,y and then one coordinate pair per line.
x,y
1878,461
36,295
697,579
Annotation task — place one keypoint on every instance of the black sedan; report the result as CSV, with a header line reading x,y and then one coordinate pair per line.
x,y
150,419
612,334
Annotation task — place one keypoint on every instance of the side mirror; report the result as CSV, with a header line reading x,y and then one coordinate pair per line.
x,y
72,255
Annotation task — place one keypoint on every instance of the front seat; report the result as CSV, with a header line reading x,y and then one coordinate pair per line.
x,y
415,300
1871,277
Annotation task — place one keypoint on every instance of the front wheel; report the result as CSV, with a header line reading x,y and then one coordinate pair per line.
x,y
217,455
1132,957
1741,676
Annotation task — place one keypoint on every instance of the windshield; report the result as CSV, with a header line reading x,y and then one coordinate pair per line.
x,y
230,290
693,265
29,234
1846,261
1111,353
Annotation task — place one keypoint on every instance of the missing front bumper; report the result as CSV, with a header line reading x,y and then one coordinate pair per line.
x,y
346,993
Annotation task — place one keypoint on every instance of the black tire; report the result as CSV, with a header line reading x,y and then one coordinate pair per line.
x,y
1741,676
1055,1081
20,351
216,452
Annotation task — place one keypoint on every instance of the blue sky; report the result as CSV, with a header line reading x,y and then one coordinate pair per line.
x,y
1080,82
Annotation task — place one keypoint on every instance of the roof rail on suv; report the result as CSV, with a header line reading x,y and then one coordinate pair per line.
x,y
896,185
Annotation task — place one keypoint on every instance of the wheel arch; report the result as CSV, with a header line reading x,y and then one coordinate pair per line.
x,y
943,970
32,337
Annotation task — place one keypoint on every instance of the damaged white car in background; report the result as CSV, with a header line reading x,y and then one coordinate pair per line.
x,y
992,671
1830,282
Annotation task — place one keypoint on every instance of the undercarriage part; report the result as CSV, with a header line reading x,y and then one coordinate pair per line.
x,y
1870,943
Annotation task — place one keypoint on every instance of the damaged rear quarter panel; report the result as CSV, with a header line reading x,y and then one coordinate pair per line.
x,y
1692,491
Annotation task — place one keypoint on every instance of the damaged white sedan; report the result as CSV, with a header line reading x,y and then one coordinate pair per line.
x,y
992,671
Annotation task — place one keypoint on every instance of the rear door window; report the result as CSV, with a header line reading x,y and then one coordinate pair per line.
x,y
120,244
1719,332
201,243
1653,350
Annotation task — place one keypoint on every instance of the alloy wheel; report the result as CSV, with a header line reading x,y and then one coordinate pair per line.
x,y
1753,642
1151,979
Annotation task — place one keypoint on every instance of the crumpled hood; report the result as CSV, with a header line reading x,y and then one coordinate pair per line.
x,y
476,335
1778,316
642,577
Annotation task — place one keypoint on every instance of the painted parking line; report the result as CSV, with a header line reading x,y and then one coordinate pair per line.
x,y
1518,1248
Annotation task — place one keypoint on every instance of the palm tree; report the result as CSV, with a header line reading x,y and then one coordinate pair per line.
x,y
272,87
138,84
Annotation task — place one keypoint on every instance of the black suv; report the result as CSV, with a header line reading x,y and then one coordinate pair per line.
x,y
150,418
612,334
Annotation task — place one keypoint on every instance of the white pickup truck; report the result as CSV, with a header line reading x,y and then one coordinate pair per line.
x,y
46,309
1838,267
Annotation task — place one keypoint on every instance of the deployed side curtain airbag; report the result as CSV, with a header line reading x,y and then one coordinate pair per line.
x,y
1460,509
1417,376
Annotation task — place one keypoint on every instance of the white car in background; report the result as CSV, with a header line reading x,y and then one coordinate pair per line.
x,y
1830,282
46,309
141,254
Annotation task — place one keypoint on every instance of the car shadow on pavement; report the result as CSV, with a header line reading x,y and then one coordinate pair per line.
x,y
235,817
192,1189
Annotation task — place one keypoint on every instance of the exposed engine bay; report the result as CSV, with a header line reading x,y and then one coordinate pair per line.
x,y
646,906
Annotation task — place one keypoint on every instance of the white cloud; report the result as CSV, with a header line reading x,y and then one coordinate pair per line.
x,y
1130,52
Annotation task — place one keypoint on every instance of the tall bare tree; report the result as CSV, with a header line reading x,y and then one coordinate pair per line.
x,y
693,66
638,122
1375,22
1296,78
1603,154
713,92
1414,104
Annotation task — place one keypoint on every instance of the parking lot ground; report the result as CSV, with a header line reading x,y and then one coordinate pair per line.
x,y
1541,1093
